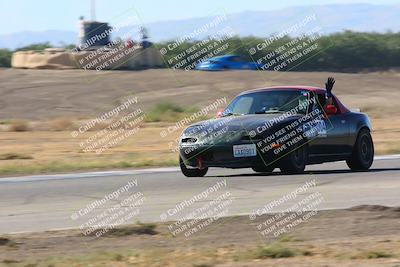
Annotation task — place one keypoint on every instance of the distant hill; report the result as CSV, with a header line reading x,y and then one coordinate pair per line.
x,y
25,38
332,18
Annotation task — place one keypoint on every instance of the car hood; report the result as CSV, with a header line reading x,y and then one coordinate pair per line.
x,y
235,127
244,121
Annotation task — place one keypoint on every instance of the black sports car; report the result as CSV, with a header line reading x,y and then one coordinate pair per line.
x,y
285,127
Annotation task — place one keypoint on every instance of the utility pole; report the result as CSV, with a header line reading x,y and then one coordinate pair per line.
x,y
93,9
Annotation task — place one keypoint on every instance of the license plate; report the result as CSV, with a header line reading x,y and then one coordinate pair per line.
x,y
241,151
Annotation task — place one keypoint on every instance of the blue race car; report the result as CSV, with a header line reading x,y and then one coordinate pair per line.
x,y
226,62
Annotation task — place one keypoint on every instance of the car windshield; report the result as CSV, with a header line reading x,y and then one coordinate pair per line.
x,y
272,101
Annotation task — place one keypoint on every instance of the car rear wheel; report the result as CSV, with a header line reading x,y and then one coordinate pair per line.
x,y
268,168
296,161
363,152
191,172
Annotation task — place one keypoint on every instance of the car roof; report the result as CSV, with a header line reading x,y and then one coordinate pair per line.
x,y
289,87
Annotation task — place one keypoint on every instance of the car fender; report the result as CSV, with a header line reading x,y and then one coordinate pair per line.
x,y
358,121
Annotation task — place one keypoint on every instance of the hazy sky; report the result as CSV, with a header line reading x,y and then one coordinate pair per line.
x,y
38,15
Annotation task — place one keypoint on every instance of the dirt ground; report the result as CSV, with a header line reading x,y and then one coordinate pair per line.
x,y
44,94
360,236
55,97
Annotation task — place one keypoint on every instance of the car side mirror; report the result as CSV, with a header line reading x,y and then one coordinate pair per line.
x,y
220,112
330,110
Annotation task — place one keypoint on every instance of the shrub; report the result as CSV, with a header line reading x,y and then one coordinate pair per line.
x,y
36,47
5,58
273,251
11,156
168,112
372,255
19,126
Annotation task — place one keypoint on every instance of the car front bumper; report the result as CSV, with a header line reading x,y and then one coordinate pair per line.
x,y
221,156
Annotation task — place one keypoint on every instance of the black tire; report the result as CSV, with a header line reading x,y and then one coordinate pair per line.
x,y
296,161
362,156
191,172
264,169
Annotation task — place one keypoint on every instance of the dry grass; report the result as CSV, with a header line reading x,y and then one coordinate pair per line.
x,y
60,124
230,256
49,151
328,239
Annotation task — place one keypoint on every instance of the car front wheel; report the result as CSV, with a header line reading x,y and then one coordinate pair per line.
x,y
191,172
268,168
363,152
296,161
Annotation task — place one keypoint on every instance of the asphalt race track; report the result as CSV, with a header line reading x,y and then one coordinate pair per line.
x,y
47,202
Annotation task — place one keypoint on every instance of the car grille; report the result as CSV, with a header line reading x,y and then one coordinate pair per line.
x,y
189,140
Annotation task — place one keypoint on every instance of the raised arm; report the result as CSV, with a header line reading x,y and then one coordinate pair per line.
x,y
328,86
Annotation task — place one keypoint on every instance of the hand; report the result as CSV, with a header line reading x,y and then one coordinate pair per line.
x,y
329,85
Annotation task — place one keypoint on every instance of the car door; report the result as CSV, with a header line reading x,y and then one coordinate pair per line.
x,y
332,140
237,63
